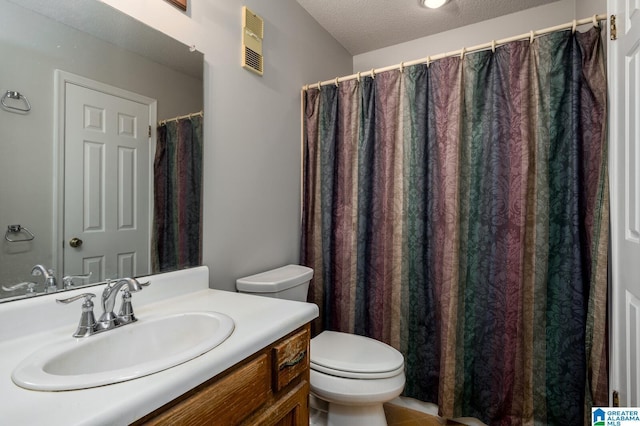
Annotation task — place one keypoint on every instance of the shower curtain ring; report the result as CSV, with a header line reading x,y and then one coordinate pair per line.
x,y
493,46
573,28
462,52
401,67
428,61
358,77
531,36
373,73
595,21
319,85
336,82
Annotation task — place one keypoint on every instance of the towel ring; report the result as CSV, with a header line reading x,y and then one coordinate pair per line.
x,y
10,94
18,229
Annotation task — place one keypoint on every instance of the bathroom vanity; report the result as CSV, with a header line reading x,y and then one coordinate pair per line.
x,y
269,388
258,375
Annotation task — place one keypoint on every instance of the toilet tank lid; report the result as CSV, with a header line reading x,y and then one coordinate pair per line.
x,y
274,280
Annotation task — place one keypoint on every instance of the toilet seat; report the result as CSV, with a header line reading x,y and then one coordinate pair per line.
x,y
354,375
355,357
355,392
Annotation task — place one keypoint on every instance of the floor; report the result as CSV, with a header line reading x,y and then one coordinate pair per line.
x,y
401,411
403,416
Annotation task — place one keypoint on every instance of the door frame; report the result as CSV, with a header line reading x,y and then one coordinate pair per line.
x,y
61,78
613,327
619,301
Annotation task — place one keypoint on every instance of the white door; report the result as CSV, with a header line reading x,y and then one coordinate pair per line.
x,y
106,175
624,161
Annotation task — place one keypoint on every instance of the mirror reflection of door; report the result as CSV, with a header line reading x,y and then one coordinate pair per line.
x,y
106,184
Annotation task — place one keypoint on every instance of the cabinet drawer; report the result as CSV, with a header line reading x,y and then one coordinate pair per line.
x,y
226,401
290,359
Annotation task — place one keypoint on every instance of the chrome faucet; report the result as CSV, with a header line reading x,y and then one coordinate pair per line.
x,y
108,320
49,279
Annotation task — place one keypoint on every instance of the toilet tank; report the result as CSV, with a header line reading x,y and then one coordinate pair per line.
x,y
289,282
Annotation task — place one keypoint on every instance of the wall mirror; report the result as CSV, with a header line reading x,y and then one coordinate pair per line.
x,y
46,45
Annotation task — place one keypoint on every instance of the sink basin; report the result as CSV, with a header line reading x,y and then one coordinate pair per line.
x,y
145,347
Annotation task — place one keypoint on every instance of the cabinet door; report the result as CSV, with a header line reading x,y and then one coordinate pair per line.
x,y
291,409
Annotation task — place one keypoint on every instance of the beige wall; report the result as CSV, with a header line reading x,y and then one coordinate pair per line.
x,y
252,125
585,8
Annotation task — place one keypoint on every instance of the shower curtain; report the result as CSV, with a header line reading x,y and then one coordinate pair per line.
x,y
459,212
177,221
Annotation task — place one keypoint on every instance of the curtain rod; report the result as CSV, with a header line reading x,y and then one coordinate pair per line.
x,y
180,117
595,19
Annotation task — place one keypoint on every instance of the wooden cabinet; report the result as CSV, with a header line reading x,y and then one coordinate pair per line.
x,y
269,388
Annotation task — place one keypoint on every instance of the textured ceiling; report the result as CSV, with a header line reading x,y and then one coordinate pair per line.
x,y
365,25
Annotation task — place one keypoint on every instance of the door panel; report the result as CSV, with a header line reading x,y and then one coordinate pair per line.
x,y
106,175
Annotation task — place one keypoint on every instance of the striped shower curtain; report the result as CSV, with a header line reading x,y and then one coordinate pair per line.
x,y
459,212
177,222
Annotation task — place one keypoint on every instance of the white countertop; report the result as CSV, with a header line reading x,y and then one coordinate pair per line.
x,y
259,321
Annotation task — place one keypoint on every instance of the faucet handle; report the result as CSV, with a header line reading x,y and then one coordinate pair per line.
x,y
87,324
67,280
126,315
29,284
86,296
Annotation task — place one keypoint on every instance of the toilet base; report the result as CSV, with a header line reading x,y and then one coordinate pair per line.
x,y
356,415
354,402
323,413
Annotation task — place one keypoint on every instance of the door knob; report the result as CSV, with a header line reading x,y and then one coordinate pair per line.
x,y
75,242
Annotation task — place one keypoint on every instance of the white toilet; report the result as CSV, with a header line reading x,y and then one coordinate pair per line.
x,y
353,375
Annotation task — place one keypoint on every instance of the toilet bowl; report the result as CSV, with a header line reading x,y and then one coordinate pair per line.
x,y
355,375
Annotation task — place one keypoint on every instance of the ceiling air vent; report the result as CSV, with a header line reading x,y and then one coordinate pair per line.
x,y
252,34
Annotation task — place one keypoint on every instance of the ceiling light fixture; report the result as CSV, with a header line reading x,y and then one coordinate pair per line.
x,y
433,4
